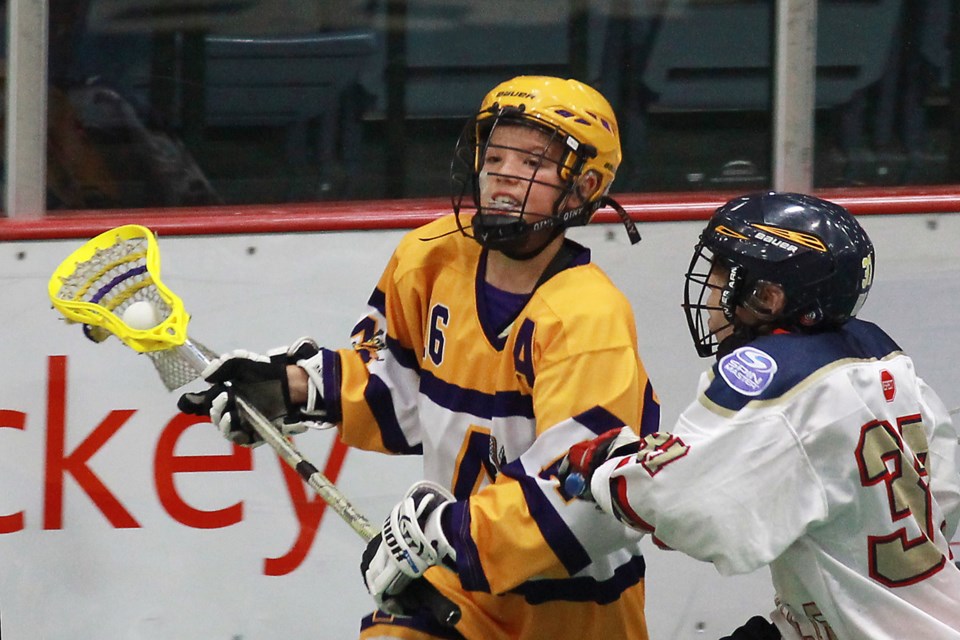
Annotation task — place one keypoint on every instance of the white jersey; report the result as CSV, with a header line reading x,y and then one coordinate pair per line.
x,y
825,457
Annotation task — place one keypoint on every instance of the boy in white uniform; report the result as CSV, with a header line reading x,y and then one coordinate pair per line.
x,y
812,447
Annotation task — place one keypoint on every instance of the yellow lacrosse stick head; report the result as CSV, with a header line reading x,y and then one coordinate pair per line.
x,y
114,270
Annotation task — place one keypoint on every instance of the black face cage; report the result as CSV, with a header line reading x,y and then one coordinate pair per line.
x,y
507,230
696,297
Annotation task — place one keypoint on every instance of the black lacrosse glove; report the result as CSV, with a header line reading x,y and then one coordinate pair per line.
x,y
261,380
756,628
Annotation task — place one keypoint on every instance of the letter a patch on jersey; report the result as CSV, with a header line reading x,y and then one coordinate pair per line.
x,y
748,370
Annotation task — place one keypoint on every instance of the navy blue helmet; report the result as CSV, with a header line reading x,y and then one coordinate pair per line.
x,y
815,250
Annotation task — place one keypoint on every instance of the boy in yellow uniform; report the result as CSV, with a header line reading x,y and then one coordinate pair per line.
x,y
487,331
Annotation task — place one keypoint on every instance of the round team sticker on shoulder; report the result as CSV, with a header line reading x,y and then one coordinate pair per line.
x,y
748,370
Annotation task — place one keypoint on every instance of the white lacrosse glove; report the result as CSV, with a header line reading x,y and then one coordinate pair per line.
x,y
262,381
411,541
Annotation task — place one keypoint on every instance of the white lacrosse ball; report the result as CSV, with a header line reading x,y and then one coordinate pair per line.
x,y
140,315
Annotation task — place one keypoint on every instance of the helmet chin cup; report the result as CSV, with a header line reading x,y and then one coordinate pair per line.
x,y
512,235
497,230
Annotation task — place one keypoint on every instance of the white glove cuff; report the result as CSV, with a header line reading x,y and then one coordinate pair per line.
x,y
600,486
433,530
432,527
313,366
625,438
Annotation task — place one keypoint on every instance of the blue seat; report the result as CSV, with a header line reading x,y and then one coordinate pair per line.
x,y
308,84
715,56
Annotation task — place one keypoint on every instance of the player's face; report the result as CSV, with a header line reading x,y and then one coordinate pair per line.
x,y
519,172
717,322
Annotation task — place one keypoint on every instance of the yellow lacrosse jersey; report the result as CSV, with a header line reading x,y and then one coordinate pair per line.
x,y
493,410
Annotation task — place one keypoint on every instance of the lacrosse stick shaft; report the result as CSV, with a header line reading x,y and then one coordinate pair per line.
x,y
445,611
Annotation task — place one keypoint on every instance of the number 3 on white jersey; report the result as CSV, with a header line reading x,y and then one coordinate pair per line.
x,y
895,560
